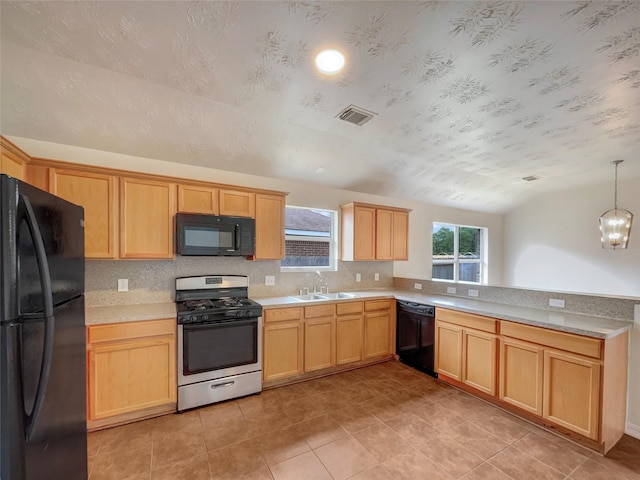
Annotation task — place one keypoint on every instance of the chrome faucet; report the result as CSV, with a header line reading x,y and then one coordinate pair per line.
x,y
319,275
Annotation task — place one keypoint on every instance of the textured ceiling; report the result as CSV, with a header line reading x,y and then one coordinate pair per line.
x,y
470,96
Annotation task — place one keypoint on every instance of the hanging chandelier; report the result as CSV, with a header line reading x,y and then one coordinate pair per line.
x,y
615,225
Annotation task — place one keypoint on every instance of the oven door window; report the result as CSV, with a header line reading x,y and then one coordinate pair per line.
x,y
215,346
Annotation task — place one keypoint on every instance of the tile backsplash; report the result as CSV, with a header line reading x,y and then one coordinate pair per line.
x,y
611,307
152,281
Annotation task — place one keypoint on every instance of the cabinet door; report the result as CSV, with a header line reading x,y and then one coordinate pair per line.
x,y
97,194
129,376
236,203
572,392
282,350
377,336
479,360
13,161
449,350
400,235
319,343
521,366
348,339
147,210
269,227
384,234
364,233
196,199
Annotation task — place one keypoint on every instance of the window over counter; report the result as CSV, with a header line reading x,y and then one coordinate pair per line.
x,y
459,253
310,240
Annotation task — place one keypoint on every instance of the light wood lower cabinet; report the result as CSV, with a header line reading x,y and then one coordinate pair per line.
x,y
283,343
521,366
131,371
378,328
572,392
283,350
319,343
303,340
349,335
479,361
448,351
466,349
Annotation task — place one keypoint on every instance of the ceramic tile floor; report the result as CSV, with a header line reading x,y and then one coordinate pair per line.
x,y
381,422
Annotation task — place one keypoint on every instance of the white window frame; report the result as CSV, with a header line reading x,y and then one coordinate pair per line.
x,y
482,261
333,244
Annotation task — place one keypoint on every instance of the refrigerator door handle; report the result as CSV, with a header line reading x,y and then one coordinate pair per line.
x,y
49,319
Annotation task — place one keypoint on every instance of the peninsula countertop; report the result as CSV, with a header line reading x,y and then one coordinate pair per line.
x,y
588,325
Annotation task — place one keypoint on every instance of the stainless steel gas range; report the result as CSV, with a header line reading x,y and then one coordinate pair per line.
x,y
219,340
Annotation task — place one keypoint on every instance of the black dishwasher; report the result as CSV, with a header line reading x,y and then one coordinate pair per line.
x,y
415,336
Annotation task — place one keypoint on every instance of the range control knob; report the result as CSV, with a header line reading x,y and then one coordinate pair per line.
x,y
247,313
205,317
239,313
193,318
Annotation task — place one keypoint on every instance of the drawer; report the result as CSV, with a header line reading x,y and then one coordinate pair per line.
x,y
347,308
591,347
114,332
320,311
469,320
372,305
282,314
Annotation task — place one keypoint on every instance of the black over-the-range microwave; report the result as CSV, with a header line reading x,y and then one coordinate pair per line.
x,y
215,235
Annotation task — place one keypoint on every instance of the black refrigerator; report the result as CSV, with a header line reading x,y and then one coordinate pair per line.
x,y
43,431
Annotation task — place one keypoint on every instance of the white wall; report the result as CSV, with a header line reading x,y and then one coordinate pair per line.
x,y
553,243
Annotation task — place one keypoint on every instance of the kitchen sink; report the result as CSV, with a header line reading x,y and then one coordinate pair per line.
x,y
322,296
338,295
308,297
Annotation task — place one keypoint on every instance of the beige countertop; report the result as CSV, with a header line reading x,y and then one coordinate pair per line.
x,y
592,326
129,313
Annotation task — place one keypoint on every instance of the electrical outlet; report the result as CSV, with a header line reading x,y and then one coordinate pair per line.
x,y
123,284
472,292
376,277
451,289
358,277
554,302
417,286
270,280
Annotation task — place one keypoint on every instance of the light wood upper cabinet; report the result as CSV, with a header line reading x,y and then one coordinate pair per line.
x,y
237,203
400,235
370,232
521,366
131,368
97,193
13,161
147,210
572,392
384,234
269,227
198,199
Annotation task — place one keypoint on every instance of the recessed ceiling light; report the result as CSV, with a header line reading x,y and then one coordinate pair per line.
x,y
330,61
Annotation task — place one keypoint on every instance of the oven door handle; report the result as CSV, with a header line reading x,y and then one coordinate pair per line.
x,y
199,326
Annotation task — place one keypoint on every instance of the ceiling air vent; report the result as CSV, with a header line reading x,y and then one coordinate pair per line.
x,y
531,178
356,115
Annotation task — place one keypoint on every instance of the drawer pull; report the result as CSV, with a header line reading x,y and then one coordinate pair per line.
x,y
225,384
